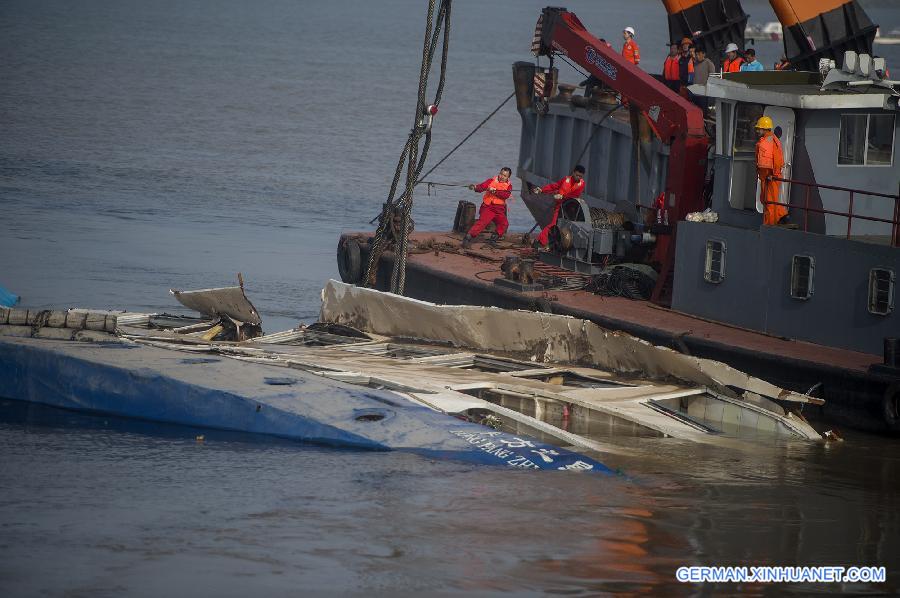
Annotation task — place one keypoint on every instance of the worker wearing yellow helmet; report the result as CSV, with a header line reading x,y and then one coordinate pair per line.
x,y
769,162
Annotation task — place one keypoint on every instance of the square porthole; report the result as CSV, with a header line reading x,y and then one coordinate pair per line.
x,y
803,269
881,291
714,270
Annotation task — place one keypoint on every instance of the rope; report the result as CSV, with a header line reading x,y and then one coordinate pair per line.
x,y
458,145
492,271
411,157
466,138
596,130
431,184
574,66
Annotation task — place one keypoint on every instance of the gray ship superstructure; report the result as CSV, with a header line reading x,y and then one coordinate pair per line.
x,y
828,277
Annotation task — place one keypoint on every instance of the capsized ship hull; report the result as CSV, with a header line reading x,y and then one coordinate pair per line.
x,y
385,372
125,379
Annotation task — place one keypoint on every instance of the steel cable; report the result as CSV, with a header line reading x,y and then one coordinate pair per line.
x,y
411,155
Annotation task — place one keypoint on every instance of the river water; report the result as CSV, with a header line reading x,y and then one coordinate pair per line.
x,y
171,144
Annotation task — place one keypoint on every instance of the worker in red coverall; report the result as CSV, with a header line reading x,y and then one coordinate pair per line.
x,y
493,205
769,162
569,187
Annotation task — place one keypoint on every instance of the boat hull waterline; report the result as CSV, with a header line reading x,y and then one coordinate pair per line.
x,y
136,381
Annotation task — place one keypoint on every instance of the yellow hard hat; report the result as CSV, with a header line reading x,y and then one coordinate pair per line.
x,y
764,122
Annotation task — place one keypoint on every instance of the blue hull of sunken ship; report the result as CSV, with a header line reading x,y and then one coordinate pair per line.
x,y
149,383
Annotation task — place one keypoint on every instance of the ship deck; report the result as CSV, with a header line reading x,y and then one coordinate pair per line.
x,y
474,266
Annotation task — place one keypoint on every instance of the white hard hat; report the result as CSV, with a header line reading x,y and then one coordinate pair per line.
x,y
629,30
731,48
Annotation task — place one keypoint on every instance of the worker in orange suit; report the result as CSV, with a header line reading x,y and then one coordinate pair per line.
x,y
569,187
769,162
493,205
630,49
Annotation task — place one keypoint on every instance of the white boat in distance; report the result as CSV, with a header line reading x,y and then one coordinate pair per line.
x,y
769,32
891,38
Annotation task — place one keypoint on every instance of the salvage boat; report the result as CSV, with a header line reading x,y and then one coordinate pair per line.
x,y
384,372
667,243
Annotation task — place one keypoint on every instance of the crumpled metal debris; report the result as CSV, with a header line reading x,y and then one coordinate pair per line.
x,y
537,336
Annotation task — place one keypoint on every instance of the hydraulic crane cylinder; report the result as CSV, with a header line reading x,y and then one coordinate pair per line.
x,y
712,24
816,29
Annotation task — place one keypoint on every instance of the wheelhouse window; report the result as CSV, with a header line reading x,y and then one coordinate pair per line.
x,y
745,136
742,192
881,291
714,270
803,268
866,140
724,130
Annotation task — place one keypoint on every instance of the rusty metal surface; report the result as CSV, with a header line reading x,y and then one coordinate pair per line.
x,y
226,301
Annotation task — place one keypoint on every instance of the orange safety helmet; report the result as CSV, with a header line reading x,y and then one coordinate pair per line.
x,y
764,122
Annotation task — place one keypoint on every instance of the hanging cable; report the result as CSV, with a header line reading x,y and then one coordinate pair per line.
x,y
458,145
597,129
574,66
466,138
412,157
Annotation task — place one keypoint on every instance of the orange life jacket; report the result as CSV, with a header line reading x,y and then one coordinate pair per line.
x,y
631,52
671,72
732,66
769,155
491,199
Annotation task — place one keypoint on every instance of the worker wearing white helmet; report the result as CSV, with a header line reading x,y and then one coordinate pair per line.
x,y
733,61
630,50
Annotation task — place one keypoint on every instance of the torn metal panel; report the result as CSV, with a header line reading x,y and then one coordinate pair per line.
x,y
230,302
539,337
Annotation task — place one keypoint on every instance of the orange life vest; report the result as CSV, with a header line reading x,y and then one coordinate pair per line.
x,y
631,52
671,71
769,155
732,66
491,199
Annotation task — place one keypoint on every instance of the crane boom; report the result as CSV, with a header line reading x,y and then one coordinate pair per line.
x,y
676,121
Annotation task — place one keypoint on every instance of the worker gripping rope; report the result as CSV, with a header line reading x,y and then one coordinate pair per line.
x,y
569,187
493,205
769,162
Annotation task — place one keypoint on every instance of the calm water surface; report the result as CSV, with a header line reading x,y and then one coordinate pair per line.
x,y
171,144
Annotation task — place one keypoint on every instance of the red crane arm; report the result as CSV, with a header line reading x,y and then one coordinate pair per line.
x,y
677,121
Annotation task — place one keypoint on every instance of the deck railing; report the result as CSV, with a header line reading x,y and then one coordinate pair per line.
x,y
849,215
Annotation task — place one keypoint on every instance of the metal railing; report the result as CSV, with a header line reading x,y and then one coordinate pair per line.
x,y
849,215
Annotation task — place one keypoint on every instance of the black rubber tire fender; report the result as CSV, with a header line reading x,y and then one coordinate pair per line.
x,y
891,407
543,305
349,259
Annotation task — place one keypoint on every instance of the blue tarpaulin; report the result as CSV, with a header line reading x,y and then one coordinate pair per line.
x,y
7,299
